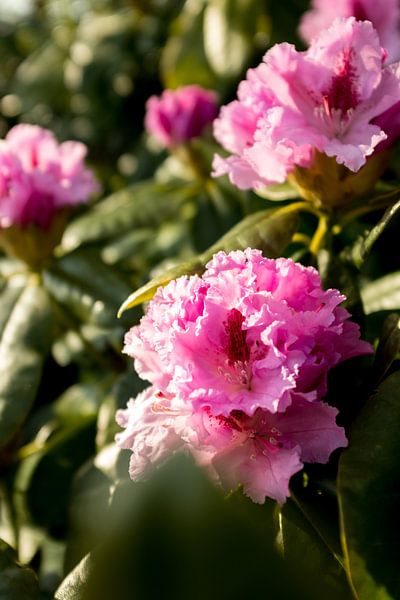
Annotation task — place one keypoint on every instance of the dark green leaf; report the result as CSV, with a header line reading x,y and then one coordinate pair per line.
x,y
306,551
24,342
369,495
364,246
179,526
86,287
45,478
388,348
266,230
144,204
16,582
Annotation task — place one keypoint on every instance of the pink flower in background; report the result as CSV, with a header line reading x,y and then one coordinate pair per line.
x,y
39,176
15,188
293,104
179,115
233,356
384,15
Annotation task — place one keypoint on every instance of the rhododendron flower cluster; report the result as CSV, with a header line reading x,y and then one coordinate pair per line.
x,y
39,176
179,115
238,361
330,99
385,17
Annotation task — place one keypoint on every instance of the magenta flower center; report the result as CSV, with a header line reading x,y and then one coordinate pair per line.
x,y
236,347
342,94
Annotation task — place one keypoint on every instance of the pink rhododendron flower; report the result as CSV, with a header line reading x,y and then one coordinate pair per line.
x,y
39,176
179,115
385,17
234,356
293,104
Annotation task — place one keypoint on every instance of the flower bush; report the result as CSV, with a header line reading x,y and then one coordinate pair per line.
x,y
260,438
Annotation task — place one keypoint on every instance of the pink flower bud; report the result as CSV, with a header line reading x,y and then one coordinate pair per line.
x,y
179,115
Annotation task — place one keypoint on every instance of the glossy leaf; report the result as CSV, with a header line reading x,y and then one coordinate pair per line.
x,y
266,230
308,553
16,582
199,542
229,31
144,204
388,348
369,495
364,246
382,293
25,341
184,60
48,474
86,287
73,586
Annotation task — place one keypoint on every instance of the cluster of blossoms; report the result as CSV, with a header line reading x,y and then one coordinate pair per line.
x,y
178,116
39,176
238,362
337,99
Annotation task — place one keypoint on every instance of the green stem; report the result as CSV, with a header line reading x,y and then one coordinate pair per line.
x,y
319,235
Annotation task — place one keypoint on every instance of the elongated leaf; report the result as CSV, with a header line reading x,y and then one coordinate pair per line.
x,y
73,586
305,551
184,60
279,192
266,230
16,582
48,474
205,547
363,247
382,293
143,204
24,343
229,30
388,348
86,287
369,496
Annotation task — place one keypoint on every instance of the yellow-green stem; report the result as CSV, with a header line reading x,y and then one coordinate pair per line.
x,y
319,235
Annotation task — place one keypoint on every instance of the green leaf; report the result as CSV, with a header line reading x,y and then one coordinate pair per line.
x,y
268,230
44,479
229,31
364,246
184,60
382,293
145,204
24,343
388,348
306,551
369,496
86,287
73,586
279,192
16,582
201,545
